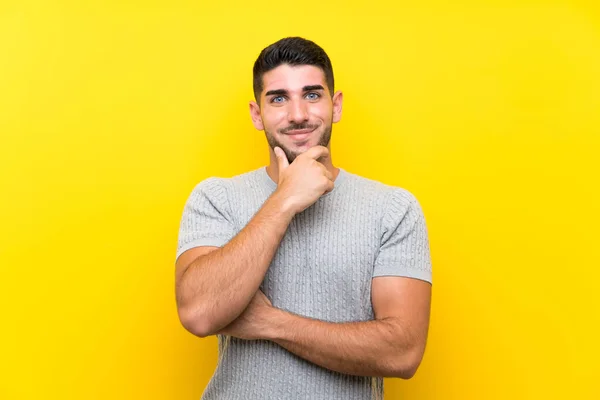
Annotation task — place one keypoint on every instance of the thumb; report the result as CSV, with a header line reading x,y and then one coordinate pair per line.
x,y
282,160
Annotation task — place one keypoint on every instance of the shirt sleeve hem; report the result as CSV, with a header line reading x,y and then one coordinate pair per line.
x,y
423,275
216,242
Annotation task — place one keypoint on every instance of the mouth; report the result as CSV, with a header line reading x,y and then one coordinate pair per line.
x,y
299,135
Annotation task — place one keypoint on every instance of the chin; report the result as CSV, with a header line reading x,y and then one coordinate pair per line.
x,y
303,148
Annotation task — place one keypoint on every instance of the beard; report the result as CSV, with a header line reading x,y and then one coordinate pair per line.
x,y
291,155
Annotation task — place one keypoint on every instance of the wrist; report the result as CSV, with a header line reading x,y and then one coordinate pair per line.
x,y
283,204
279,322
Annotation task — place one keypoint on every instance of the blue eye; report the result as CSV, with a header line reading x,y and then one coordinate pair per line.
x,y
313,96
277,99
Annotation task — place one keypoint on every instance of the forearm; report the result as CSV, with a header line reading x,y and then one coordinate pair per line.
x,y
218,286
369,348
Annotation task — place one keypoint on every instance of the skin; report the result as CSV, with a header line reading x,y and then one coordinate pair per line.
x,y
217,288
279,112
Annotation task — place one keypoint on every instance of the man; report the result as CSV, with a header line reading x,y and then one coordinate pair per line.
x,y
316,281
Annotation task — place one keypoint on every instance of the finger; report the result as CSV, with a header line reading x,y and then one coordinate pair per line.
x,y
328,174
317,153
282,160
264,297
330,186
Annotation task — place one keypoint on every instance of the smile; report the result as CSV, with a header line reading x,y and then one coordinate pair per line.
x,y
300,134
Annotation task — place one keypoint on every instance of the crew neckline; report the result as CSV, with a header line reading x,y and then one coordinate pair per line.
x,y
339,180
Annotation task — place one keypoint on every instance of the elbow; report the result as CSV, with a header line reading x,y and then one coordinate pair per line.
x,y
406,372
406,365
196,322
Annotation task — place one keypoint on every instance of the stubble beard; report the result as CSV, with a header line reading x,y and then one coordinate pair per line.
x,y
291,155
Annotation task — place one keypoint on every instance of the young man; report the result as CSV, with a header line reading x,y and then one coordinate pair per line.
x,y
316,281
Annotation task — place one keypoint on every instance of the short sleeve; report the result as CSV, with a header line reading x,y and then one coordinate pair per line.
x,y
404,248
206,219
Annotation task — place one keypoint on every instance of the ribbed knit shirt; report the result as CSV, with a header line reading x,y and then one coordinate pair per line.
x,y
322,269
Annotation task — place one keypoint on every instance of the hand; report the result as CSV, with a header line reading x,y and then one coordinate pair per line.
x,y
305,180
253,322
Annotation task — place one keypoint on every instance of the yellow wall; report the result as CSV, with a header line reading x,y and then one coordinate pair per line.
x,y
111,111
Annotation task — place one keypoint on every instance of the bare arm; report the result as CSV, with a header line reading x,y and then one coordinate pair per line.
x,y
391,345
214,285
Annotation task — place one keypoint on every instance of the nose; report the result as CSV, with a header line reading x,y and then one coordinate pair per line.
x,y
297,112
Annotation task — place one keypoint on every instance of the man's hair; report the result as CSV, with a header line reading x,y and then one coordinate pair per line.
x,y
293,51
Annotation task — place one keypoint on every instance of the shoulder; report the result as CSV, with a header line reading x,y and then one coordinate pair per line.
x,y
224,186
386,194
211,190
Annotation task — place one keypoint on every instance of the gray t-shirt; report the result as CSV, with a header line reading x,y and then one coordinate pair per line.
x,y
322,269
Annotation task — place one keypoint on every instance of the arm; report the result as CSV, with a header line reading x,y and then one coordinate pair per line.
x,y
215,284
391,345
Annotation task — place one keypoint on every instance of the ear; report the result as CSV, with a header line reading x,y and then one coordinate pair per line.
x,y
337,100
255,115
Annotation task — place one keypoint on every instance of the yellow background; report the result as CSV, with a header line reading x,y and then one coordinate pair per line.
x,y
110,113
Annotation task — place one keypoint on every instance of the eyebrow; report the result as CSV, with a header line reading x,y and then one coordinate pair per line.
x,y
280,92
312,87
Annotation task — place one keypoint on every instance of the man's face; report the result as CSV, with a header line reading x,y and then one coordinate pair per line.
x,y
296,109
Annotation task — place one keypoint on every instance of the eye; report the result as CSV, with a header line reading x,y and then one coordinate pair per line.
x,y
277,99
313,96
